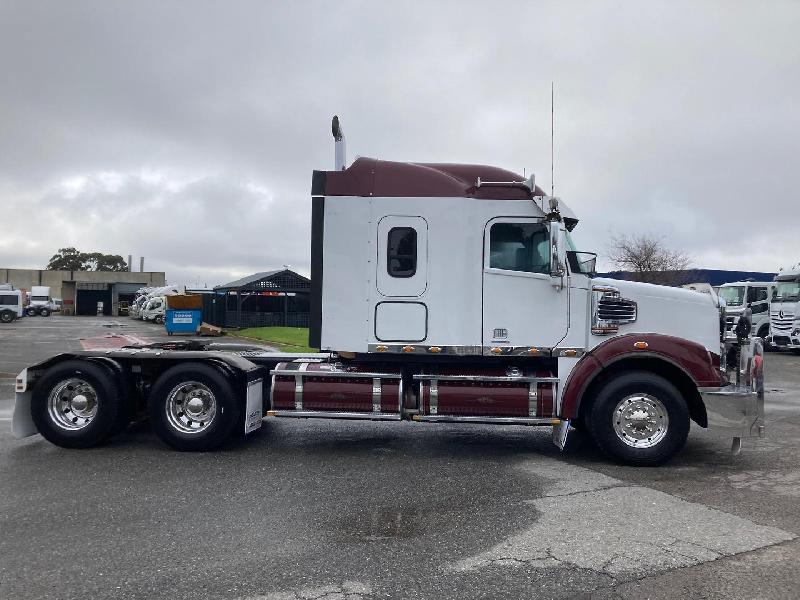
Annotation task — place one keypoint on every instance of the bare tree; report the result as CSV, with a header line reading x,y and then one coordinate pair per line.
x,y
647,259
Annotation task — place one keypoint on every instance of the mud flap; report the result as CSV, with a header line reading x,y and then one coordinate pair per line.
x,y
560,432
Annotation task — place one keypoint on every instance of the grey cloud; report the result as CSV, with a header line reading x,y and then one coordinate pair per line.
x,y
675,118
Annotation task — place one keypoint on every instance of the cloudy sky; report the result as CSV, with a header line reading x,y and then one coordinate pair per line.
x,y
187,131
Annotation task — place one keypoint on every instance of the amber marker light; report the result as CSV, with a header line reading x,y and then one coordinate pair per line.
x,y
382,348
569,353
408,348
533,351
496,350
435,349
640,345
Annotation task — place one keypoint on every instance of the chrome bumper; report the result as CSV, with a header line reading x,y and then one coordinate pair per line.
x,y
737,411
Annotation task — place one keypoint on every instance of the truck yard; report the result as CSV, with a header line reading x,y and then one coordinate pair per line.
x,y
342,509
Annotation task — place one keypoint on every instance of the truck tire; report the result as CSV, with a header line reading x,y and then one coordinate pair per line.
x,y
193,407
76,404
31,311
45,312
639,418
7,316
158,320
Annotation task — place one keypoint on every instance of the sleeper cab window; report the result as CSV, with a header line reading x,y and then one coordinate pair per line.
x,y
519,247
401,253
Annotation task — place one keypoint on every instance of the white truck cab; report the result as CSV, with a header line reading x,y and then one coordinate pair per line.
x,y
785,309
155,309
41,304
754,295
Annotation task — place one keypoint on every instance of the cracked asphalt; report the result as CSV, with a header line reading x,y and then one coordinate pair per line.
x,y
338,510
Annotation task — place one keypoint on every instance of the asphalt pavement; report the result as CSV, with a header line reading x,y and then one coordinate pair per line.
x,y
333,509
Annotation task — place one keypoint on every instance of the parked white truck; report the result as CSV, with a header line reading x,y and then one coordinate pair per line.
x,y
785,309
40,304
440,293
154,309
754,295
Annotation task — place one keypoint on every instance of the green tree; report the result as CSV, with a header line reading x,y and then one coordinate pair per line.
x,y
71,259
97,261
66,259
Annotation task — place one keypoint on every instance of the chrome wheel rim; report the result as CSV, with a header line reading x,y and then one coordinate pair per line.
x,y
72,404
191,407
641,421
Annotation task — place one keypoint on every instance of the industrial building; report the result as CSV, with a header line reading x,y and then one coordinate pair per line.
x,y
266,299
80,291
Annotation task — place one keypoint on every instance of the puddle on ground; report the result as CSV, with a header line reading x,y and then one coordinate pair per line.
x,y
376,524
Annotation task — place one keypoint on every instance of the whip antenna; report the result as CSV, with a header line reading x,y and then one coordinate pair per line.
x,y
552,136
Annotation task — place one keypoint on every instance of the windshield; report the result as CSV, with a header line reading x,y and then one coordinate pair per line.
x,y
40,298
787,291
733,296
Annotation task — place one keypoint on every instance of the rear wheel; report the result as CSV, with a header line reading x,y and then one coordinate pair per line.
x,y
639,418
6,316
193,407
76,404
31,312
159,320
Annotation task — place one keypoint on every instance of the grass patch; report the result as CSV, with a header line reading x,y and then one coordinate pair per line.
x,y
288,339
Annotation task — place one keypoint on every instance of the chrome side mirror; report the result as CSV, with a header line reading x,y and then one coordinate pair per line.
x,y
557,252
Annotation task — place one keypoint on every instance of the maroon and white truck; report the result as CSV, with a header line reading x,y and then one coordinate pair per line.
x,y
440,293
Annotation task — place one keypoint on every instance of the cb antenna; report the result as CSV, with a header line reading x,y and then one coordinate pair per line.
x,y
552,136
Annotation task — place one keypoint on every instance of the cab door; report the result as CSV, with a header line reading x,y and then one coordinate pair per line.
x,y
523,305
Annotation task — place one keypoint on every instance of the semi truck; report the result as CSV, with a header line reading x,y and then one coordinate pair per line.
x,y
756,296
440,293
784,315
40,304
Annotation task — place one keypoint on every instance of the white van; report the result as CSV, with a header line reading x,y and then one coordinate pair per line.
x,y
10,305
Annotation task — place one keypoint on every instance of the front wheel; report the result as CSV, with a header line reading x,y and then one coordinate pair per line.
x,y
31,312
159,320
6,316
45,312
193,407
639,418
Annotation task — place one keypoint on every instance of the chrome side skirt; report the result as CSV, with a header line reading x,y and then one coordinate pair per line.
x,y
320,414
487,420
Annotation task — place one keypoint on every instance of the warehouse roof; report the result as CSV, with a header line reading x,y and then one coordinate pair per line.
x,y
278,279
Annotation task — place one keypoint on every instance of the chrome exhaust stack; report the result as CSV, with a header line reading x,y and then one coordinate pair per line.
x,y
340,152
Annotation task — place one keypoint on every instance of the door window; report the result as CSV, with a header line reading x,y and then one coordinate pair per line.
x,y
401,252
519,247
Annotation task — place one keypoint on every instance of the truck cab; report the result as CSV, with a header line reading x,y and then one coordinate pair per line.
x,y
785,309
756,296
40,304
155,309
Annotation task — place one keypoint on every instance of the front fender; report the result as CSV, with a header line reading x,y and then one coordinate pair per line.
x,y
691,358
